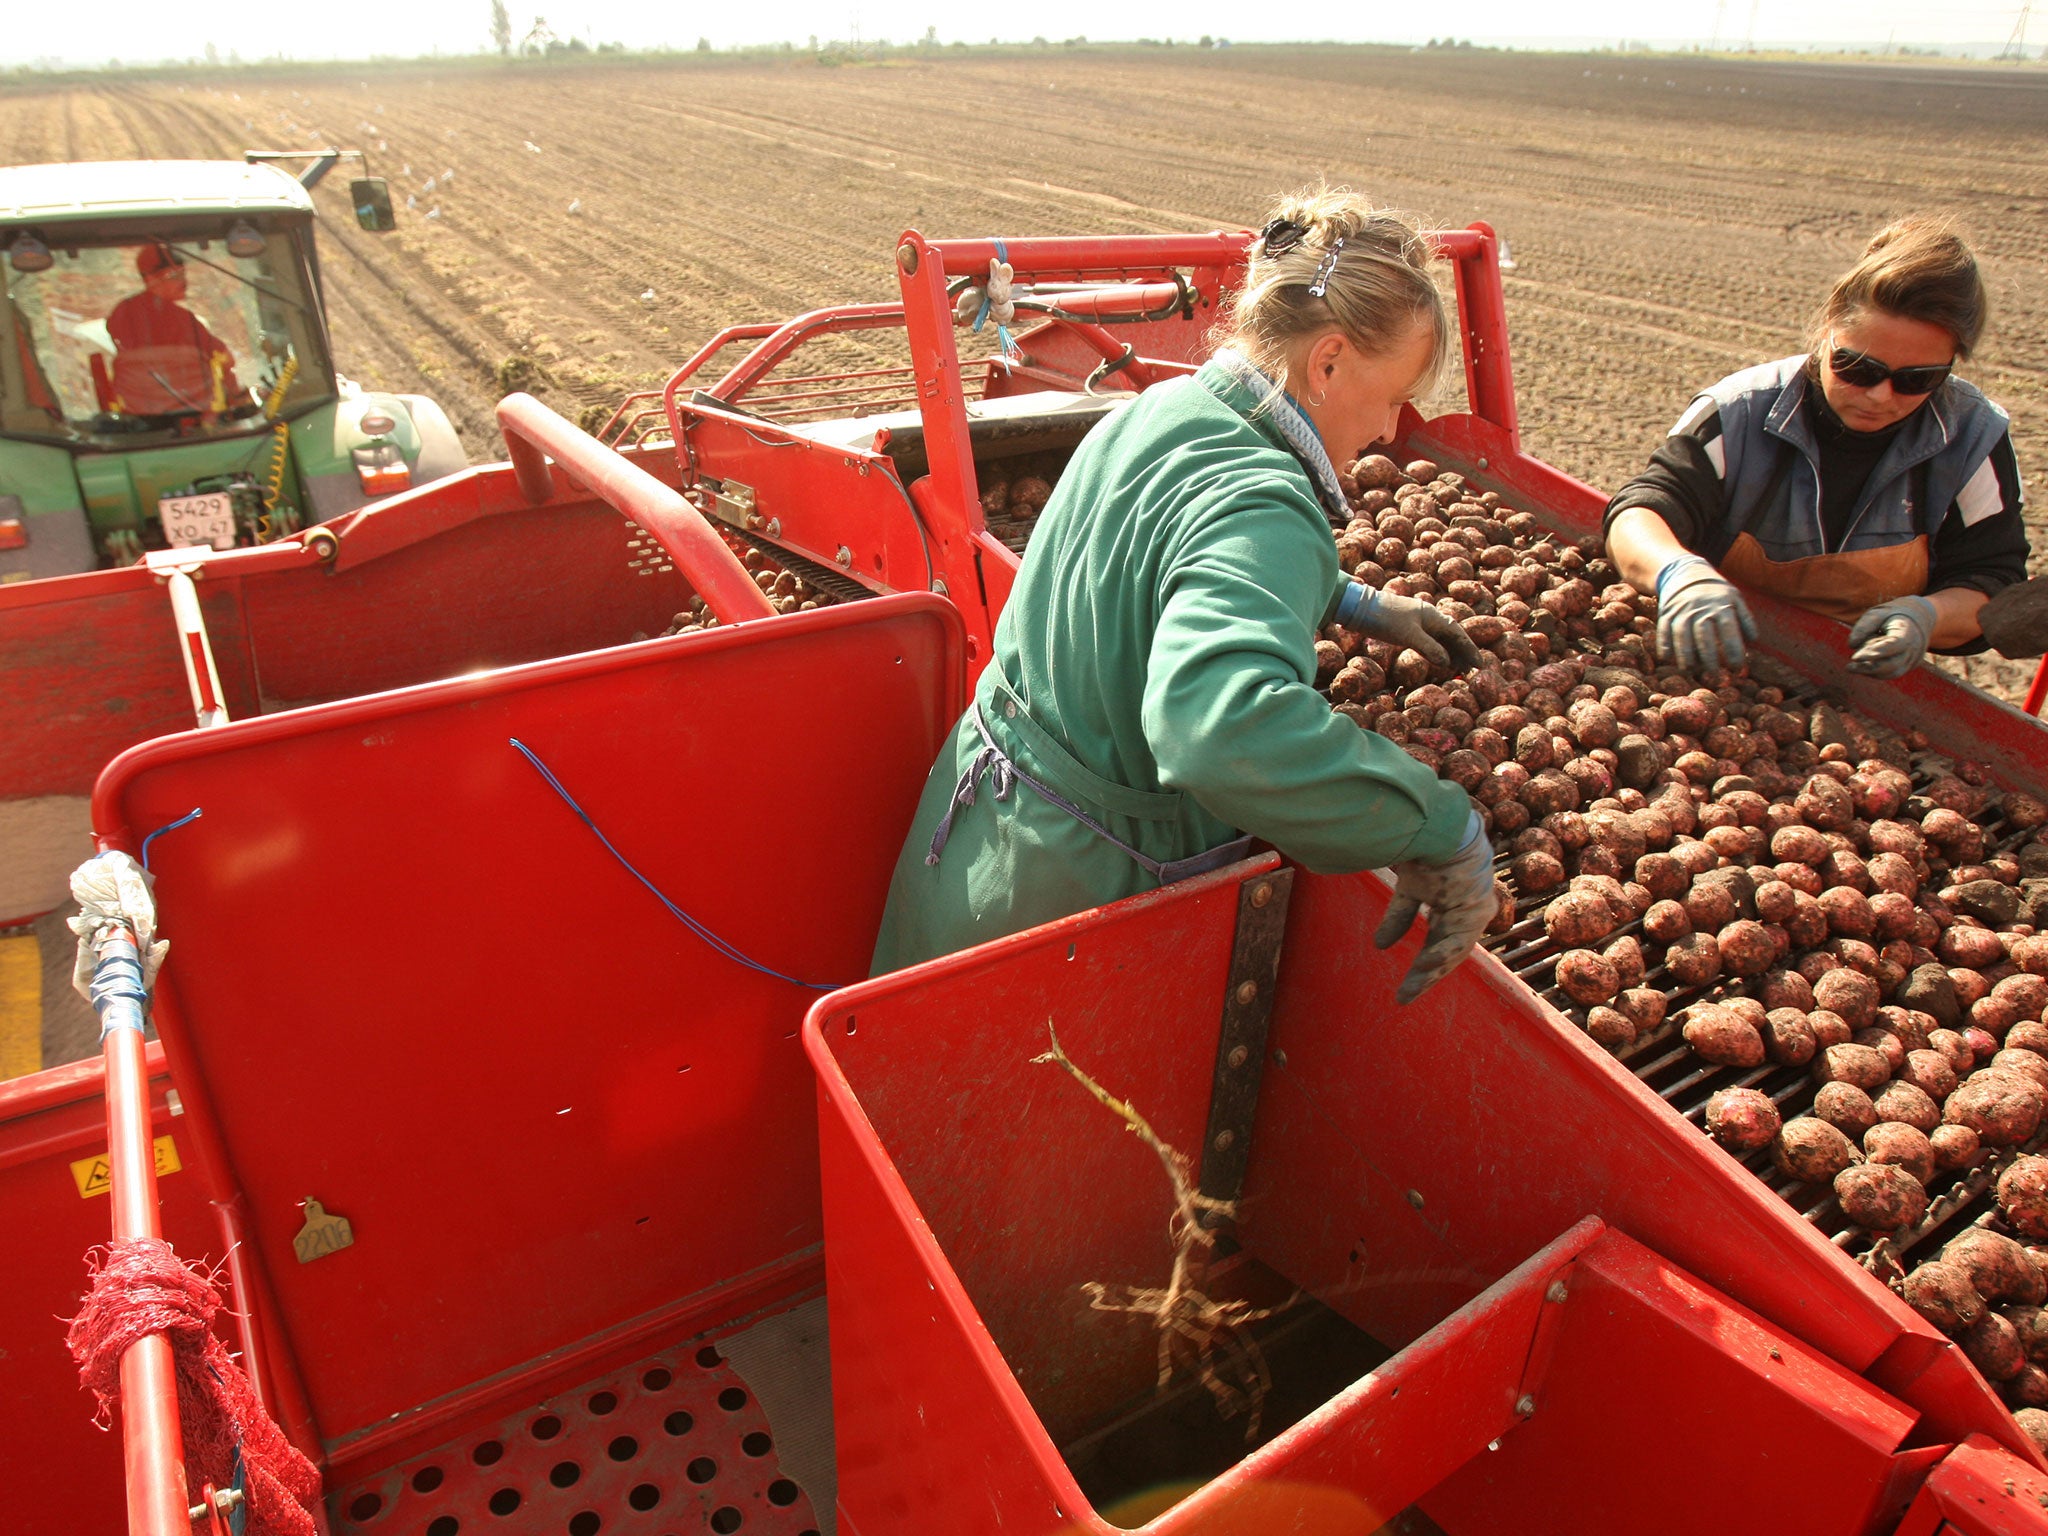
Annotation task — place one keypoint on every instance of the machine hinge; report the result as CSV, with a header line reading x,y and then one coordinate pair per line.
x,y
1241,1044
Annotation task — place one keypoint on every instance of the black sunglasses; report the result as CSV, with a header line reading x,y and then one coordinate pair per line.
x,y
1866,372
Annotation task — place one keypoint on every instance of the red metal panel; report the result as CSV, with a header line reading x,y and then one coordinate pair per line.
x,y
47,1438
1029,1186
968,1191
675,1440
967,1196
1980,1489
1667,1408
442,585
1483,313
547,1108
824,496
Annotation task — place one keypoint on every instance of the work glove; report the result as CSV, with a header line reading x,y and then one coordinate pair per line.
x,y
1458,894
1701,619
1409,621
1890,640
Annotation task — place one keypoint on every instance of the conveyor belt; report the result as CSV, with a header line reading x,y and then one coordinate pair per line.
x,y
1663,1062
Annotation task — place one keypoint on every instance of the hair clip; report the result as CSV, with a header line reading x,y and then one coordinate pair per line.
x,y
1280,236
1325,268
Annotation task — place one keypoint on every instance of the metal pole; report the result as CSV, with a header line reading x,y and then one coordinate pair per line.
x,y
196,651
153,1449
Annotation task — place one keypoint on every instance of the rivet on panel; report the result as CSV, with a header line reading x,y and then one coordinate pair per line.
x,y
1525,1404
1262,893
1247,990
1415,1198
1238,1056
1556,1291
1224,1139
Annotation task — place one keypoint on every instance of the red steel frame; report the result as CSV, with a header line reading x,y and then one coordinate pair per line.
x,y
961,553
532,432
933,532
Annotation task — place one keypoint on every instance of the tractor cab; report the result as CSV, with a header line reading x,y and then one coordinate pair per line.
x,y
165,375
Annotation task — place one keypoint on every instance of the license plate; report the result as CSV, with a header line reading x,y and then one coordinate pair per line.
x,y
188,520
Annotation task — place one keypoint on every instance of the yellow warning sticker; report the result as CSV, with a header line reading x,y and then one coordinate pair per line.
x,y
95,1177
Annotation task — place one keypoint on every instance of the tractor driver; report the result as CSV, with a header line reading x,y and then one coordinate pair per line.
x,y
166,363
1151,704
1860,479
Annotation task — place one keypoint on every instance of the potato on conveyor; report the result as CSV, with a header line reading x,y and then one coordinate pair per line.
x,y
1942,1293
1998,1267
2023,1197
1993,1347
1742,1119
1813,1151
1882,1197
1903,1146
1719,1035
2003,1108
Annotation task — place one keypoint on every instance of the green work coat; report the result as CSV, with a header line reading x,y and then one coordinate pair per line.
x,y
1156,665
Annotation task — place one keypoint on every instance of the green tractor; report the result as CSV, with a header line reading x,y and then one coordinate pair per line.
x,y
165,375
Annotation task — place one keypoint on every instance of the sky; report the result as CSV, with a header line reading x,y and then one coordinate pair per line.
x,y
138,32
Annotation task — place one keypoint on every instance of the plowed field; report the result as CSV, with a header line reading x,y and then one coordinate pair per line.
x,y
1670,220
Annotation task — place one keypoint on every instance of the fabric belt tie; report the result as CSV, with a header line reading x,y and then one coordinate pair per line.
x,y
1004,775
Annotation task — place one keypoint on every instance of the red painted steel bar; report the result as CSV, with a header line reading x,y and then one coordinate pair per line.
x,y
2037,691
1483,312
719,343
756,365
158,1502
1105,253
533,433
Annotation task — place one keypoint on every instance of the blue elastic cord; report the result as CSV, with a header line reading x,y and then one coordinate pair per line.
x,y
1003,337
689,922
169,826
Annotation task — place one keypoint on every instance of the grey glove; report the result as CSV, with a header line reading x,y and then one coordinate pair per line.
x,y
1701,619
1459,896
1891,639
1408,621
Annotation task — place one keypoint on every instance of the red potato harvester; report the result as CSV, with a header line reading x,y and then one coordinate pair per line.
x,y
646,1229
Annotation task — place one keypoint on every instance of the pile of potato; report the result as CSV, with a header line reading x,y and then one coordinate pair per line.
x,y
786,590
1986,1290
1822,893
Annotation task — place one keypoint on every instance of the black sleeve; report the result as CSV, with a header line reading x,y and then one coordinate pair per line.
x,y
1682,484
1982,542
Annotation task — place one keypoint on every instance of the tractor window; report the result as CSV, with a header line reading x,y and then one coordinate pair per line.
x,y
172,340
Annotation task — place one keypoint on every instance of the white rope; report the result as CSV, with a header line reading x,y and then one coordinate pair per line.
x,y
112,890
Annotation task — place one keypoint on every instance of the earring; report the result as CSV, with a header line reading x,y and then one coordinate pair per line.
x,y
1316,401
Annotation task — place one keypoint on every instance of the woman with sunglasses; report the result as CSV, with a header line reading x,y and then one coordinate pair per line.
x,y
1151,704
1861,479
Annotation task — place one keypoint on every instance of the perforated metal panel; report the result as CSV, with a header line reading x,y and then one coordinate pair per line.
x,y
671,1446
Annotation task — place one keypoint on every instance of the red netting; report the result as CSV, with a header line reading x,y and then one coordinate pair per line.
x,y
141,1287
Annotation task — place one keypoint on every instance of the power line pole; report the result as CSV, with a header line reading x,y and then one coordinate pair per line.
x,y
1720,10
2016,45
1749,40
